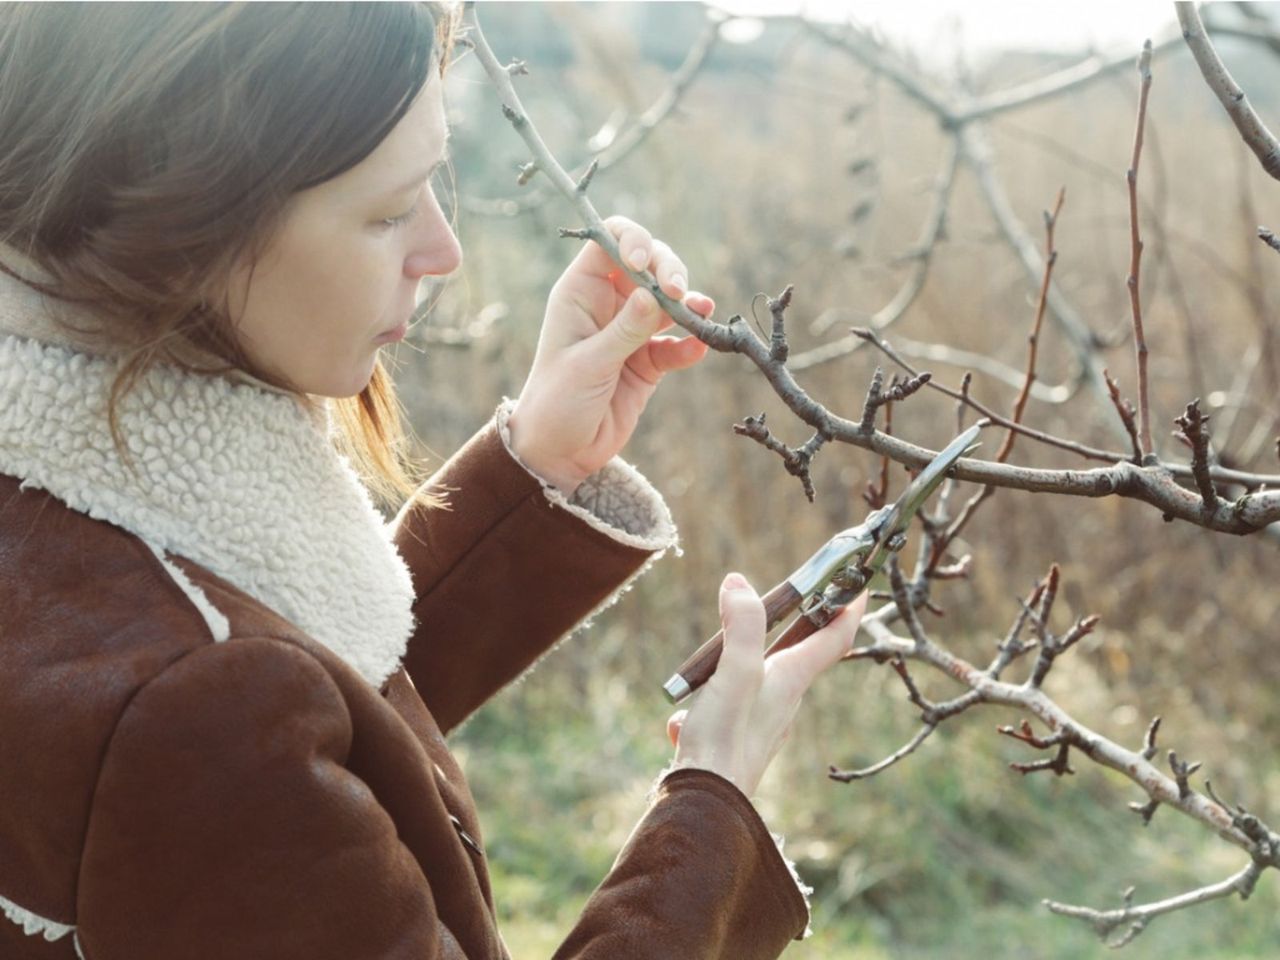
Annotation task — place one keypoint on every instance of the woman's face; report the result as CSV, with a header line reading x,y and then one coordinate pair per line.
x,y
342,273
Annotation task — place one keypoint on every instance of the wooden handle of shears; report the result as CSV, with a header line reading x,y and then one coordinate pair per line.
x,y
799,628
698,669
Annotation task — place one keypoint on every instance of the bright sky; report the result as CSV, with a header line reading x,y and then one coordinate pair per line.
x,y
984,25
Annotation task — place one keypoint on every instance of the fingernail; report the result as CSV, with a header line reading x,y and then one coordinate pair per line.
x,y
679,282
638,258
735,581
645,301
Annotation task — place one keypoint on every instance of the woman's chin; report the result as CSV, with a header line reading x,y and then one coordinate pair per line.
x,y
342,385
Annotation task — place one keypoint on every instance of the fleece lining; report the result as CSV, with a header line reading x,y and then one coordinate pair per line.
x,y
241,479
242,482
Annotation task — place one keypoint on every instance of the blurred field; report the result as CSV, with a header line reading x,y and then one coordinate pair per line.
x,y
950,852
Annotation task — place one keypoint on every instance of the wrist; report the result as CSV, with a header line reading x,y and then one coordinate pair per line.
x,y
549,471
567,483
732,770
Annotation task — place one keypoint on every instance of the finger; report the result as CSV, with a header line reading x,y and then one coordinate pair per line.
x,y
742,616
669,270
675,353
635,243
700,304
628,331
593,261
674,723
816,653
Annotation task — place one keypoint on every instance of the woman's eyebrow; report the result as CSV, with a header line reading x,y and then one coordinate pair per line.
x,y
421,178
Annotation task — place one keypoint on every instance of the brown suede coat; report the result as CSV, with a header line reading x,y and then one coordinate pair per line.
x,y
167,797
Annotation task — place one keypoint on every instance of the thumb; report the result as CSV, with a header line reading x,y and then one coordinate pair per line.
x,y
631,328
742,615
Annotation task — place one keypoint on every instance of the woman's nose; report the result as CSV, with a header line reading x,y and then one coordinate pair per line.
x,y
435,250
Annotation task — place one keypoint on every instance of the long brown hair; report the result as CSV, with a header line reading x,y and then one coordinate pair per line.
x,y
145,149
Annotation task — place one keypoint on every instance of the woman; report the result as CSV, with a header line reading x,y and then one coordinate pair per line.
x,y
224,682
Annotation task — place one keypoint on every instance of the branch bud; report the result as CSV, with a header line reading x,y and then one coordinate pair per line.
x,y
526,173
585,181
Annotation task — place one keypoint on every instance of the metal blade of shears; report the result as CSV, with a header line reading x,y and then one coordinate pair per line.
x,y
835,573
889,532
918,491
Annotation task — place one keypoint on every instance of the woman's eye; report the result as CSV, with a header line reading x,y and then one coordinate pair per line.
x,y
403,218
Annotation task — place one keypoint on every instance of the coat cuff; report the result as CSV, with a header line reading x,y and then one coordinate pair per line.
x,y
785,877
616,500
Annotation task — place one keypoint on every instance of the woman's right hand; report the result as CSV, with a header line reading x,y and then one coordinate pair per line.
x,y
743,714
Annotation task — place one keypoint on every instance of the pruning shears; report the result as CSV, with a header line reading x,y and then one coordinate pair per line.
x,y
830,579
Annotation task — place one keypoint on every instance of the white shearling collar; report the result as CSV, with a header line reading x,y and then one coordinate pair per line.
x,y
241,480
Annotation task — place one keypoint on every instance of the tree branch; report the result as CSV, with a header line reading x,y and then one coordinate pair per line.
x,y
629,139
1253,131
1034,701
1238,827
1178,470
1153,485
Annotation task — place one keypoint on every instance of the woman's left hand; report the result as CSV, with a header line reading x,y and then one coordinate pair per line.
x,y
598,359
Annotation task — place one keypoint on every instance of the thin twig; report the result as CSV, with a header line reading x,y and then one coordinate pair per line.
x,y
1105,922
977,152
1055,394
1149,741
877,494
1135,259
797,461
1125,409
970,508
1193,424
967,399
1182,770
1012,646
1033,339
845,776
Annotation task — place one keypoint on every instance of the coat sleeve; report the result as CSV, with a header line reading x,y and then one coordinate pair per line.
x,y
499,577
511,565
700,876
226,823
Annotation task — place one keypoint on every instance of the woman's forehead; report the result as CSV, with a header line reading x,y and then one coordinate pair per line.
x,y
406,156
